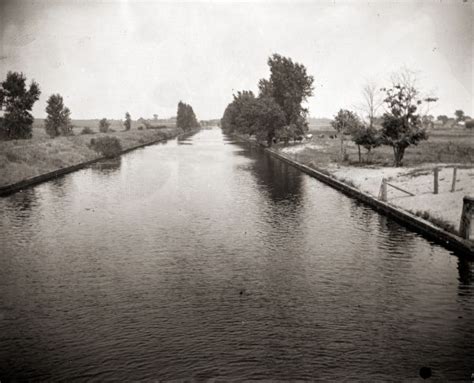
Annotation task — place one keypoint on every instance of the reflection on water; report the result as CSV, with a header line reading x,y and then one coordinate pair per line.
x,y
108,166
204,258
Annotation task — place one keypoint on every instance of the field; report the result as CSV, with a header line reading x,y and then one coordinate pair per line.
x,y
23,159
446,148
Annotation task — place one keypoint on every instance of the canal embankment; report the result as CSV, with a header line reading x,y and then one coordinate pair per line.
x,y
25,163
347,186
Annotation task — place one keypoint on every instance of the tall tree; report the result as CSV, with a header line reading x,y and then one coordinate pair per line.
x,y
128,121
58,120
289,85
402,125
17,102
186,119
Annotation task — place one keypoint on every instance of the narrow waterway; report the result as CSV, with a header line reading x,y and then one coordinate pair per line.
x,y
206,258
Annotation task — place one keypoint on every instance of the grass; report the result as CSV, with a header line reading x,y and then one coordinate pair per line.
x,y
444,145
440,222
23,159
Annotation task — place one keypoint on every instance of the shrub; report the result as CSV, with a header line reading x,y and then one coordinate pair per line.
x,y
107,146
140,127
87,130
469,124
104,125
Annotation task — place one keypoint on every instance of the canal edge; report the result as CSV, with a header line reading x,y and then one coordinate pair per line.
x,y
429,230
29,182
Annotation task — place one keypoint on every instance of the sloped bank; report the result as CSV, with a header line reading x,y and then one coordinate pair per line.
x,y
424,227
17,186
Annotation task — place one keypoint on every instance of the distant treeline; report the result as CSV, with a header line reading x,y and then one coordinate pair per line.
x,y
17,100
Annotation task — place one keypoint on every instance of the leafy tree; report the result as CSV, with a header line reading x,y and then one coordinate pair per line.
x,y
402,125
459,115
345,122
17,102
58,120
367,137
277,111
246,109
443,118
186,119
104,125
259,116
269,118
128,121
289,85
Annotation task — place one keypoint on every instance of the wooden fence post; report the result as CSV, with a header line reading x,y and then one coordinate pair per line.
x,y
466,217
453,184
383,190
436,171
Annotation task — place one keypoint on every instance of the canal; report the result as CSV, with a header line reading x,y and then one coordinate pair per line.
x,y
205,258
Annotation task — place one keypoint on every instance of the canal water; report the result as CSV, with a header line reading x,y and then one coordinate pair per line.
x,y
204,258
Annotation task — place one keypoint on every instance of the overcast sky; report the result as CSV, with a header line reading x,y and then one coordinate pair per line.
x,y
107,58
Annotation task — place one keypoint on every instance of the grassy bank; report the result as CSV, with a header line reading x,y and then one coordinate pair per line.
x,y
24,159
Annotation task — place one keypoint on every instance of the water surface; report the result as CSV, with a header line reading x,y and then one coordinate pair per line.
x,y
207,259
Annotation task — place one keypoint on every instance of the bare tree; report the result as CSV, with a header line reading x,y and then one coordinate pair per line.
x,y
372,102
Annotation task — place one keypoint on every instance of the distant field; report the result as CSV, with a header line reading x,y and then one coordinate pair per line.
x,y
117,125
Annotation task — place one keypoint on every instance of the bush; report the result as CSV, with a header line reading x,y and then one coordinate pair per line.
x,y
104,125
140,127
107,146
469,124
87,130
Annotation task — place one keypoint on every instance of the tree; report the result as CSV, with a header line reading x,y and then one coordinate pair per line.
x,y
186,119
58,120
427,121
402,125
128,121
459,115
269,118
366,136
17,102
104,125
345,122
372,102
289,85
443,118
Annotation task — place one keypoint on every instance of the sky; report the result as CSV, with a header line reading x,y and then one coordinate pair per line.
x,y
106,58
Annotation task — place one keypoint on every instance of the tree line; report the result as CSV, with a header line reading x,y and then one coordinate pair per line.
x,y
276,113
17,100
